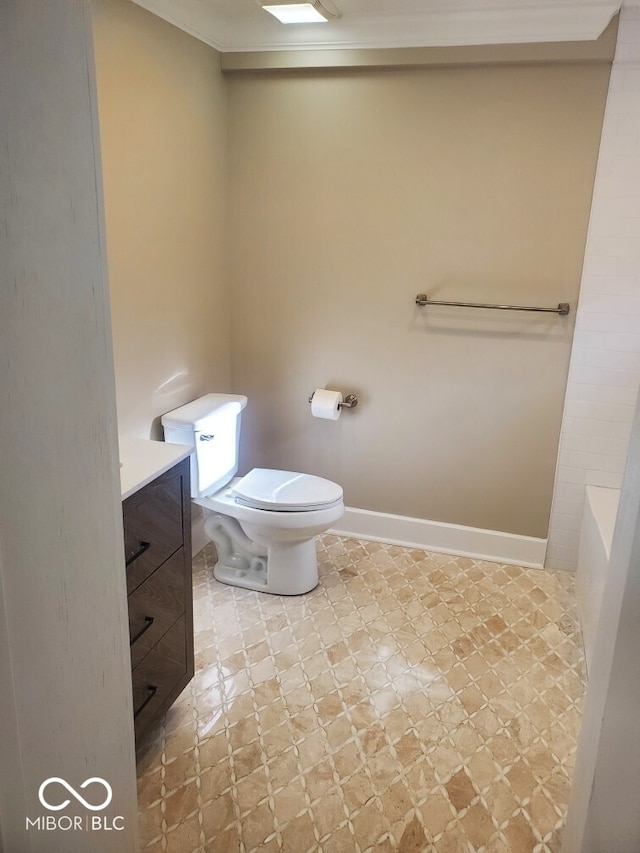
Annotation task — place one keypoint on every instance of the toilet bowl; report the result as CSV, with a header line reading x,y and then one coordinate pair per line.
x,y
263,524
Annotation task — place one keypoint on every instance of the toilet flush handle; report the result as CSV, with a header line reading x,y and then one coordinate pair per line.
x,y
207,437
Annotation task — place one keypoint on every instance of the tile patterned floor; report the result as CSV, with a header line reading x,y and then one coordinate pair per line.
x,y
411,702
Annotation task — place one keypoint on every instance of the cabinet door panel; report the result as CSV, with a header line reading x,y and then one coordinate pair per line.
x,y
160,677
155,605
152,527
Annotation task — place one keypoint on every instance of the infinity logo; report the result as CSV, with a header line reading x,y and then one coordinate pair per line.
x,y
72,791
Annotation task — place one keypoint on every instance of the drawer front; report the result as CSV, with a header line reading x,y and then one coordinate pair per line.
x,y
152,527
160,677
155,605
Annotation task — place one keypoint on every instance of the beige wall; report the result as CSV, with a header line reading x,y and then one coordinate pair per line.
x,y
352,191
348,192
163,134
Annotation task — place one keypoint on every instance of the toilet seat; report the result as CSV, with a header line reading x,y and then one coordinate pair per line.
x,y
285,491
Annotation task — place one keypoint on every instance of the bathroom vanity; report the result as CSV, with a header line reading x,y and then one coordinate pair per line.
x,y
156,510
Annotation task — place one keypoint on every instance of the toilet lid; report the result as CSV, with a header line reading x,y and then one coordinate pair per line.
x,y
285,491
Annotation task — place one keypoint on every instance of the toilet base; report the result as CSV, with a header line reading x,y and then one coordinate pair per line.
x,y
255,577
282,567
290,568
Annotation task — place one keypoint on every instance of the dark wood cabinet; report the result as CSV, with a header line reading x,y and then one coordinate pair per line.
x,y
157,533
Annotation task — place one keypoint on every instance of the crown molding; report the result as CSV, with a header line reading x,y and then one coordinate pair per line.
x,y
435,26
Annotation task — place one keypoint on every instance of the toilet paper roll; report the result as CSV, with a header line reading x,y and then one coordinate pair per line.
x,y
324,404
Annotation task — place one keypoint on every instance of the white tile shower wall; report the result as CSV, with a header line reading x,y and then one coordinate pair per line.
x,y
604,374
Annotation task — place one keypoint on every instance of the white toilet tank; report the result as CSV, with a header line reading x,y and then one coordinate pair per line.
x,y
210,424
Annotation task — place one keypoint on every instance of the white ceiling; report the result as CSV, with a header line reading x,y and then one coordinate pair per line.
x,y
241,25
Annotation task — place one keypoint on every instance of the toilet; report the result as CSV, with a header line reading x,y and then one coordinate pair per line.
x,y
263,524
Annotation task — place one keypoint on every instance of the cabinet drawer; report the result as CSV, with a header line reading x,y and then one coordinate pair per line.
x,y
152,527
155,605
161,676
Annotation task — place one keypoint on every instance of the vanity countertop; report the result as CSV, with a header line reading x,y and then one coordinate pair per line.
x,y
142,460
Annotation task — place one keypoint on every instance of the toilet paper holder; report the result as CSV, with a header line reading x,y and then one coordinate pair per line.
x,y
349,402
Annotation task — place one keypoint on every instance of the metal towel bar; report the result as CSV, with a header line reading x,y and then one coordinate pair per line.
x,y
563,307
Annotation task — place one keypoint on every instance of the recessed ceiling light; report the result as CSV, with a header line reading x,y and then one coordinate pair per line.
x,y
300,13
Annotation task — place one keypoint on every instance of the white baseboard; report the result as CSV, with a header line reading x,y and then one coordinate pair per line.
x,y
435,536
443,538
